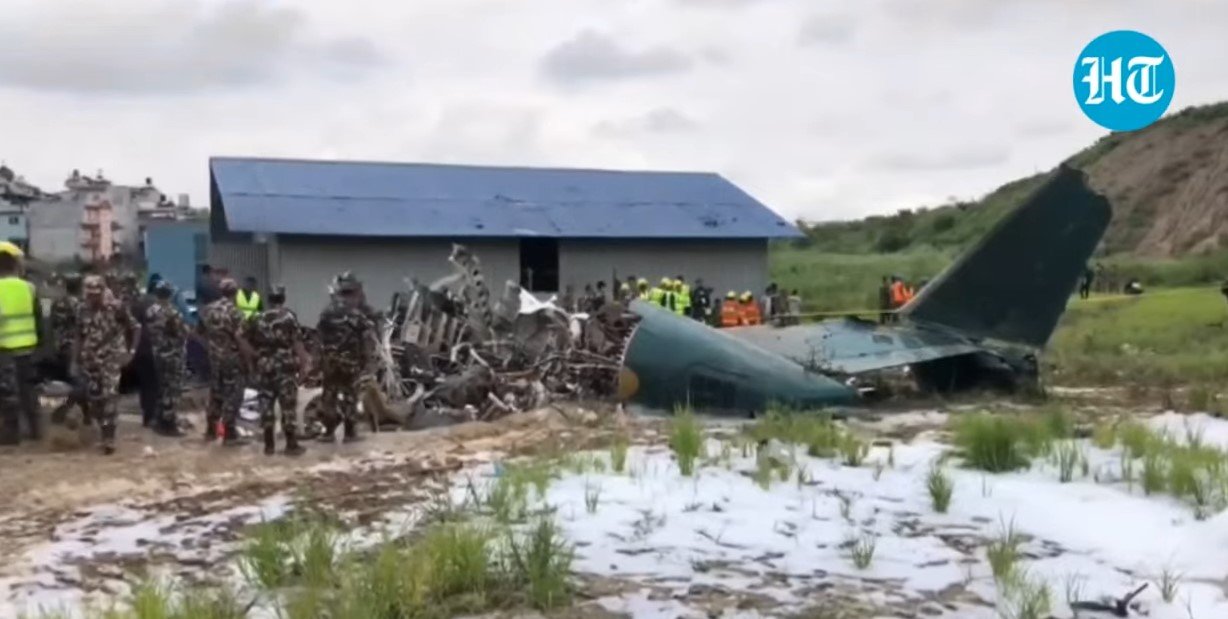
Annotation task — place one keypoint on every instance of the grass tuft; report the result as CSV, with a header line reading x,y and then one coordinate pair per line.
x,y
861,549
1025,597
618,454
686,440
999,443
1003,552
592,497
1069,457
1167,583
853,450
940,488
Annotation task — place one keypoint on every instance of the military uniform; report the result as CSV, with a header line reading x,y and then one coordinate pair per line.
x,y
168,334
276,337
221,321
63,319
344,330
102,333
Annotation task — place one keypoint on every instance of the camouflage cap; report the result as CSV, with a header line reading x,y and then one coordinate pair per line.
x,y
347,282
93,284
163,286
228,286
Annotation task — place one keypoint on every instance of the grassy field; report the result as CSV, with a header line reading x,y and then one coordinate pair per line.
x,y
831,282
1167,338
1176,335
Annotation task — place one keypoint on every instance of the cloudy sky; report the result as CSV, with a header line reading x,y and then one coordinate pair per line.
x,y
823,109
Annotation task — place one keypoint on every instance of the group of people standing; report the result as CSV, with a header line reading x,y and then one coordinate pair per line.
x,y
100,325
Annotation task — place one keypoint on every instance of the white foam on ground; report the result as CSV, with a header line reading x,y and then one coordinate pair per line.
x,y
653,525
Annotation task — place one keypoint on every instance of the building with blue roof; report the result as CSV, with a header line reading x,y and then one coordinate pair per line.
x,y
299,223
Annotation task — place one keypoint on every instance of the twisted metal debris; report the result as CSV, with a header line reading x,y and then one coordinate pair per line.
x,y
447,353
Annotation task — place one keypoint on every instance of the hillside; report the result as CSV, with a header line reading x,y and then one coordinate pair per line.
x,y
1168,185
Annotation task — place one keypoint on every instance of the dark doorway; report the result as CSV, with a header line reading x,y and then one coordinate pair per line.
x,y
539,265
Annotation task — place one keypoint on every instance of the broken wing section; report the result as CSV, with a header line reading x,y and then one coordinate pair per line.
x,y
1013,285
854,346
670,360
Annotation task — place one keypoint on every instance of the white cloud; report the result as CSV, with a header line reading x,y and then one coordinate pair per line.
x,y
591,55
168,46
663,120
908,107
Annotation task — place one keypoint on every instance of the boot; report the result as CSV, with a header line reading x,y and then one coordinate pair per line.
x,y
351,434
210,429
292,446
232,438
34,430
108,439
329,435
167,427
270,445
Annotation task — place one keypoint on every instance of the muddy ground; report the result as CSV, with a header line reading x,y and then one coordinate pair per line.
x,y
81,521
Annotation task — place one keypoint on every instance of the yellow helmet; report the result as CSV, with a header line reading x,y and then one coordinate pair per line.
x,y
11,249
731,295
643,283
746,296
665,283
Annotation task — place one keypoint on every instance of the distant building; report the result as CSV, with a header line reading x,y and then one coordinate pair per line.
x,y
299,223
13,226
74,224
175,250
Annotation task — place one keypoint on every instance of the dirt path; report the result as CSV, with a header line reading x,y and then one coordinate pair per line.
x,y
79,520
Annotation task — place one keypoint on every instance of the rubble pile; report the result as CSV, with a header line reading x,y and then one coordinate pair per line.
x,y
447,350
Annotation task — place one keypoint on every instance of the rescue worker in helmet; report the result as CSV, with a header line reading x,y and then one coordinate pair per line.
x,y
751,314
731,310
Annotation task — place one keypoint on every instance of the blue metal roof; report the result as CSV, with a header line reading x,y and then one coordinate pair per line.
x,y
279,196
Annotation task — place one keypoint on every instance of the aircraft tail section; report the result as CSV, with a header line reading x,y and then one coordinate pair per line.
x,y
1014,284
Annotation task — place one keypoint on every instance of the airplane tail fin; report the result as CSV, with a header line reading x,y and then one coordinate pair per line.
x,y
1014,284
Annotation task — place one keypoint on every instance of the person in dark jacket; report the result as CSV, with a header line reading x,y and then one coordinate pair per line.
x,y
884,300
143,362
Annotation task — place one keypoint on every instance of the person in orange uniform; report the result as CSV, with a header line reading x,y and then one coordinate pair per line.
x,y
899,295
750,310
731,311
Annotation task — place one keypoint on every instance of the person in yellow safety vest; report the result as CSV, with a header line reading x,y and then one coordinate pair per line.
x,y
248,300
731,310
20,324
682,303
644,293
656,296
667,295
750,310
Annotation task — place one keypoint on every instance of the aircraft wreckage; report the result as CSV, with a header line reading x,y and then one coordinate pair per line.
x,y
449,346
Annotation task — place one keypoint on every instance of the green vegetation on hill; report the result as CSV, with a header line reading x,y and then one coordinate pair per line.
x,y
954,226
949,227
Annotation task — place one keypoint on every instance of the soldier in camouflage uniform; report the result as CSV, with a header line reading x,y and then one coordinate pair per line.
x,y
346,343
222,326
278,341
168,334
63,328
101,347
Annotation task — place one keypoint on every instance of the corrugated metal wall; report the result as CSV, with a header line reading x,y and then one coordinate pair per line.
x,y
241,256
306,265
723,265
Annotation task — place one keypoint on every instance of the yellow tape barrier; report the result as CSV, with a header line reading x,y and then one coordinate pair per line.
x,y
1098,298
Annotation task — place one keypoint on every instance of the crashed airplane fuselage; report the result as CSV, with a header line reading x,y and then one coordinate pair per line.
x,y
982,321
